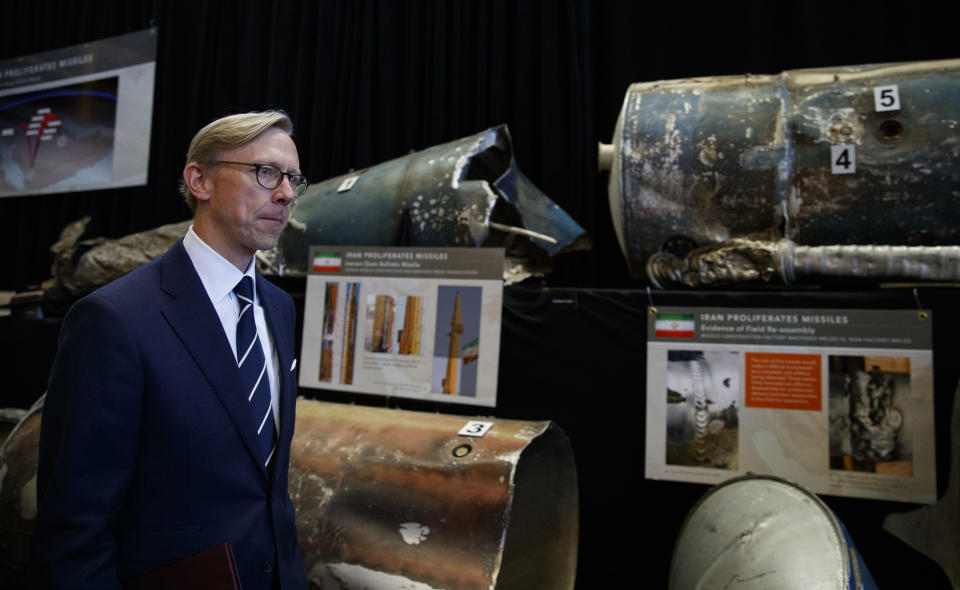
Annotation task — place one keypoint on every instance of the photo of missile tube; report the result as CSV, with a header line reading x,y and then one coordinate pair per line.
x,y
456,340
703,389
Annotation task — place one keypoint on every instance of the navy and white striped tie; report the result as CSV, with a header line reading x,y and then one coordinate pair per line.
x,y
253,370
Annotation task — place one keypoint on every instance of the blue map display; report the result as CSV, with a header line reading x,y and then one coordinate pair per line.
x,y
58,139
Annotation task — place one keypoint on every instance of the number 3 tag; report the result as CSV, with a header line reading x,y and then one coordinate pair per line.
x,y
475,428
843,159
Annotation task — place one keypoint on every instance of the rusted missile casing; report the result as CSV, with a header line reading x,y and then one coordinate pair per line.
x,y
739,261
18,497
391,498
464,193
697,162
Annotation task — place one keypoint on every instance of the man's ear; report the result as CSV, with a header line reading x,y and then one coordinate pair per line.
x,y
197,180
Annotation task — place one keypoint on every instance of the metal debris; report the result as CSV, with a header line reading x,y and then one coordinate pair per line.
x,y
756,532
701,163
399,494
390,498
740,261
80,266
466,193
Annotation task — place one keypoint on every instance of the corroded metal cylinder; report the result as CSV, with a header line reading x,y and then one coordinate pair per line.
x,y
698,162
467,192
740,261
759,532
390,499
18,497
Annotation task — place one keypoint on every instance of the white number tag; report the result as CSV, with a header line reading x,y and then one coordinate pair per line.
x,y
843,159
886,98
473,428
347,184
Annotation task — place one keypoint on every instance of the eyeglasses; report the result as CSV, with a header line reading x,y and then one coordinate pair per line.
x,y
270,177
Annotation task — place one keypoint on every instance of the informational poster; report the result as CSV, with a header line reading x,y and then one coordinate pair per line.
x,y
418,323
77,118
838,401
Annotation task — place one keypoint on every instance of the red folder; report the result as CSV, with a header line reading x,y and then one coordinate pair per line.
x,y
211,569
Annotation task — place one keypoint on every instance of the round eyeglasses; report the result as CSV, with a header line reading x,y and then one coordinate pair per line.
x,y
270,177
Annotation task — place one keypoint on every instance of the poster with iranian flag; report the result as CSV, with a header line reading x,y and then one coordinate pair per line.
x,y
675,325
420,323
326,261
839,401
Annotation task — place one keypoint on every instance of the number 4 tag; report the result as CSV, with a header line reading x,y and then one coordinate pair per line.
x,y
843,159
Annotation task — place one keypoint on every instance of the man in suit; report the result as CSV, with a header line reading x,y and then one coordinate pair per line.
x,y
154,446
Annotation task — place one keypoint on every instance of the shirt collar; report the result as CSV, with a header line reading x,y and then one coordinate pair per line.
x,y
217,274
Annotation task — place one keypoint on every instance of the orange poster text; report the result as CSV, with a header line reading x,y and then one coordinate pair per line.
x,y
783,381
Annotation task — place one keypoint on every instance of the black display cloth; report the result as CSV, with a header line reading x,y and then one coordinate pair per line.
x,y
578,357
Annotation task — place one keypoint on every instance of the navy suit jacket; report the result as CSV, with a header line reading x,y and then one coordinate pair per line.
x,y
148,450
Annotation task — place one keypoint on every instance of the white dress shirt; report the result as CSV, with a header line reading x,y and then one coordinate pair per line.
x,y
219,277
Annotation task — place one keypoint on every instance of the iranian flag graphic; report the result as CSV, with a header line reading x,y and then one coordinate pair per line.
x,y
471,351
675,325
326,262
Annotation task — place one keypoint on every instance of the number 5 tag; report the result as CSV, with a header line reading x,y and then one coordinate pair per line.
x,y
886,98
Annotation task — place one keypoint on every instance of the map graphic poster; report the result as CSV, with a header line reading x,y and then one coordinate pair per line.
x,y
77,118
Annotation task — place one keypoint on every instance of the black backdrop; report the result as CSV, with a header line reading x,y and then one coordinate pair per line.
x,y
366,81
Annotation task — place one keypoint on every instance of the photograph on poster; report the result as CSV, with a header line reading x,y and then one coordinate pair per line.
x,y
349,348
328,336
394,324
58,137
703,392
456,340
870,425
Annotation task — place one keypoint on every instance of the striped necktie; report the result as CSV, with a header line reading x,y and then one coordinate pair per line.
x,y
253,370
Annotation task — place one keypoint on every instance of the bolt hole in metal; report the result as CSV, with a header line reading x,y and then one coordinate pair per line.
x,y
889,131
461,451
678,245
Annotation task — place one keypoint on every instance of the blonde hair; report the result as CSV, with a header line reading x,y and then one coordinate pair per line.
x,y
228,133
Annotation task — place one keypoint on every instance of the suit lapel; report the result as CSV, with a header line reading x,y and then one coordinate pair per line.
x,y
192,316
